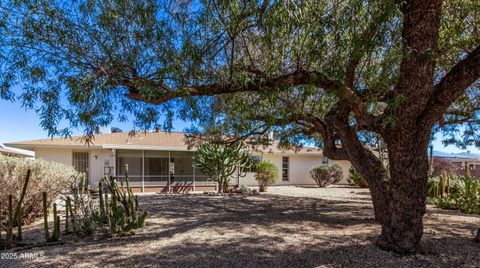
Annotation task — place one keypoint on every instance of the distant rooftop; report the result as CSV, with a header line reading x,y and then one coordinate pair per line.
x,y
15,152
463,155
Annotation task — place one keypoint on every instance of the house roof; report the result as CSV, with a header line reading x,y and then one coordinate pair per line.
x,y
174,141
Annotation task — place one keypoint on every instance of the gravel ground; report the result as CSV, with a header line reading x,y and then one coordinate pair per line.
x,y
288,227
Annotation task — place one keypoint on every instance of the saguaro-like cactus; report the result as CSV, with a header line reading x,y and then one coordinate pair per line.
x,y
68,214
56,224
14,217
56,221
19,210
45,216
220,161
9,237
120,213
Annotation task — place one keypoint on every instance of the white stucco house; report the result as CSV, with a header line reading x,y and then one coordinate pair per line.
x,y
160,161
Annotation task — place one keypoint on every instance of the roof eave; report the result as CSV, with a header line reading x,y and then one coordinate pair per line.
x,y
146,147
31,147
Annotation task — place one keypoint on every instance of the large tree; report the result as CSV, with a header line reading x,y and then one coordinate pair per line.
x,y
396,71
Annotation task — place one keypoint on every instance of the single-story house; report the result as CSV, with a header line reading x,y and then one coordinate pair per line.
x,y
160,161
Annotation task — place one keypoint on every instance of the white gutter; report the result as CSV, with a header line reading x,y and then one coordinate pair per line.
x,y
184,149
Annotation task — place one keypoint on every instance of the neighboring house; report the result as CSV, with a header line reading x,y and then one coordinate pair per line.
x,y
15,153
159,161
460,160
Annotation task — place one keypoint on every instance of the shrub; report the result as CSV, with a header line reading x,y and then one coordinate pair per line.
x,y
324,175
245,190
46,176
267,174
464,195
355,178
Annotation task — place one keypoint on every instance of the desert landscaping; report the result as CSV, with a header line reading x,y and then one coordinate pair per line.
x,y
288,226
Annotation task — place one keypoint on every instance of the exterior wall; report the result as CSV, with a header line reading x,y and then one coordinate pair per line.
x,y
299,169
249,178
345,165
59,155
64,156
99,159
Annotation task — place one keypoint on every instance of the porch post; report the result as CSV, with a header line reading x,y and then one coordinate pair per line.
x,y
193,178
143,171
114,162
169,171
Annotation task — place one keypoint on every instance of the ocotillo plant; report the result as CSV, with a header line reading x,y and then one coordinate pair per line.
x,y
19,210
56,221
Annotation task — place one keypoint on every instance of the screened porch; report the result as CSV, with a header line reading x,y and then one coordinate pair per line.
x,y
160,170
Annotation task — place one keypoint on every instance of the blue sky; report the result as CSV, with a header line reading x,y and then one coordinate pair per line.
x,y
17,124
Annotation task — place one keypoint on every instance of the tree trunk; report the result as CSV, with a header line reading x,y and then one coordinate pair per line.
x,y
367,164
403,228
399,194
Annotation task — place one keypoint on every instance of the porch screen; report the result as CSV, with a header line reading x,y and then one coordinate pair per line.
x,y
134,161
181,168
156,168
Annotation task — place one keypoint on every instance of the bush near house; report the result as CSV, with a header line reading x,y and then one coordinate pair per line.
x,y
267,174
324,175
355,178
48,177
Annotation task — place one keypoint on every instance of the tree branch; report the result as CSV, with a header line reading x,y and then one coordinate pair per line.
x,y
454,84
258,84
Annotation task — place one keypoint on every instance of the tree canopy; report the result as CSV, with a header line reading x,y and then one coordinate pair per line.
x,y
85,61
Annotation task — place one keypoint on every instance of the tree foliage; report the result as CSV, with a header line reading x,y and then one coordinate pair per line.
x,y
355,178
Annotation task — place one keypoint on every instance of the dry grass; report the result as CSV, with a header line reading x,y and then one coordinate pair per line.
x,y
289,227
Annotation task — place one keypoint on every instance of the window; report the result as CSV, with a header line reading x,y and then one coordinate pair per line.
x,y
254,160
285,164
80,162
325,160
